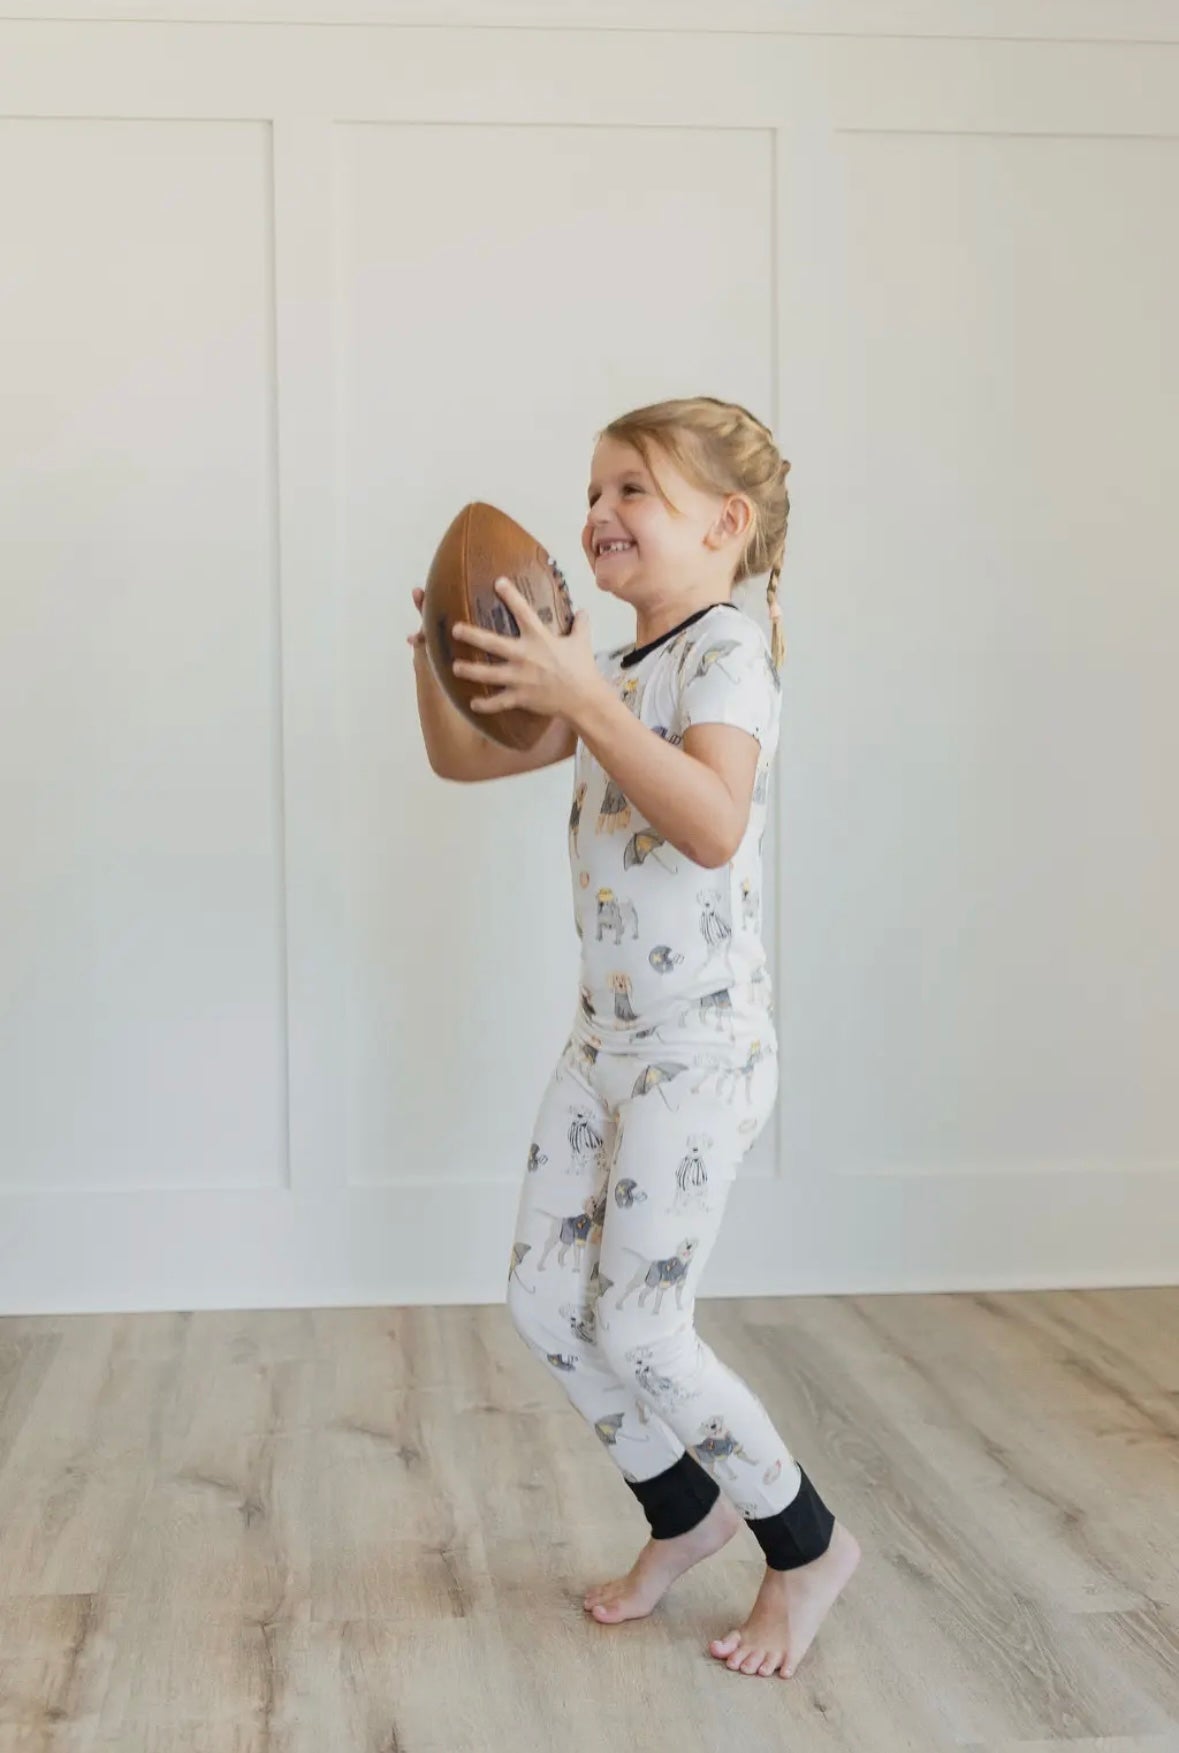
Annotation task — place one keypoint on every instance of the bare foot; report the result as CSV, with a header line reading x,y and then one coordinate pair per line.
x,y
790,1607
660,1563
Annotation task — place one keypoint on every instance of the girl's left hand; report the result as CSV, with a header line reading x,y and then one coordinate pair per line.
x,y
547,673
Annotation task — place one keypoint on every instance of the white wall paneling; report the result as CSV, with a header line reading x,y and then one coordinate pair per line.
x,y
275,300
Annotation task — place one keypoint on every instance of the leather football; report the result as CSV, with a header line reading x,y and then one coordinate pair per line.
x,y
481,545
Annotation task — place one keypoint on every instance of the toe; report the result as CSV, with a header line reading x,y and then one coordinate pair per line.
x,y
753,1661
770,1665
721,1646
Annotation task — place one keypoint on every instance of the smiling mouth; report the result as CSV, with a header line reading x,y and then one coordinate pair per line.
x,y
611,553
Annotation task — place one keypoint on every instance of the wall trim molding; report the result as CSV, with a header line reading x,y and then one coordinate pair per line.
x,y
1017,21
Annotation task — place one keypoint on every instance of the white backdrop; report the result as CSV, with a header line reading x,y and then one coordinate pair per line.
x,y
277,296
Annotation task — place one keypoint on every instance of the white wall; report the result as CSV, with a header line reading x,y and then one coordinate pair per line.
x,y
275,299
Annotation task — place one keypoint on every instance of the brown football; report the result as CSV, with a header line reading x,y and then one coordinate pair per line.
x,y
481,545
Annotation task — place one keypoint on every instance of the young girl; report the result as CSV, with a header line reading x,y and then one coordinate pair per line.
x,y
670,1070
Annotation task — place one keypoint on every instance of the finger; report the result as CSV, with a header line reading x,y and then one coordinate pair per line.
x,y
480,672
419,597
500,702
519,605
481,639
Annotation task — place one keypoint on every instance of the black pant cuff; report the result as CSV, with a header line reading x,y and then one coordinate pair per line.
x,y
676,1501
798,1534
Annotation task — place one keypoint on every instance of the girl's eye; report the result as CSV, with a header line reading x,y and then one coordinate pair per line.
x,y
628,487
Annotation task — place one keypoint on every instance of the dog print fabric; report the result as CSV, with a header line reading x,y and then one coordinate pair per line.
x,y
661,935
629,1170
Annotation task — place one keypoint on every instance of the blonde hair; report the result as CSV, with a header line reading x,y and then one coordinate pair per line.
x,y
722,448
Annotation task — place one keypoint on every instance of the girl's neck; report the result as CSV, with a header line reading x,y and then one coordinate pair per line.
x,y
652,623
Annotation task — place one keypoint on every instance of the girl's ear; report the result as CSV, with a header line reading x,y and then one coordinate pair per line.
x,y
733,519
739,513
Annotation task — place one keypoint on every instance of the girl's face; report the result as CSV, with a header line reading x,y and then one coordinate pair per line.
x,y
663,553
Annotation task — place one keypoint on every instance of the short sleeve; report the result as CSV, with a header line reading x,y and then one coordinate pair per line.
x,y
728,677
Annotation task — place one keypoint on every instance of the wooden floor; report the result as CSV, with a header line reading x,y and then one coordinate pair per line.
x,y
371,1530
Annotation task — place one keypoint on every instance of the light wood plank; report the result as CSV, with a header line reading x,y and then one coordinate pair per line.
x,y
272,1531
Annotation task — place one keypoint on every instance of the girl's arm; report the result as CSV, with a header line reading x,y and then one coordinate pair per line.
x,y
697,797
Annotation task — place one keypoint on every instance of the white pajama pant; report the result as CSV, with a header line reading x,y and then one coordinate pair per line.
x,y
635,1149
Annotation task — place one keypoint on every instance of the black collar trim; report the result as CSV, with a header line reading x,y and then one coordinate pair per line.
x,y
641,651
